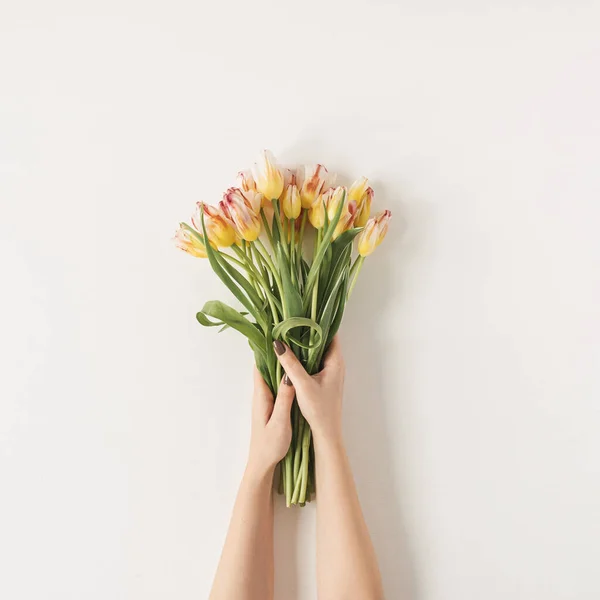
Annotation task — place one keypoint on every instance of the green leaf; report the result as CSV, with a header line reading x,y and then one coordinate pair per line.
x,y
282,329
241,280
318,259
263,366
339,315
226,315
326,319
292,301
226,279
325,270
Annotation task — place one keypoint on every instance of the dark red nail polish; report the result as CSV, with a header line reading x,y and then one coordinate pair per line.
x,y
287,380
279,347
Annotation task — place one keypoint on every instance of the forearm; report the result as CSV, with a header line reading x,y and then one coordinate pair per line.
x,y
245,570
347,565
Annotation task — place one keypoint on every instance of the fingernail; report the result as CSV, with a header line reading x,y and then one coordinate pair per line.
x,y
279,347
287,380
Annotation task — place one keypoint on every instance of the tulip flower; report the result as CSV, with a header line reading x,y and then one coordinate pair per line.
x,y
290,200
357,190
316,213
246,181
268,177
313,182
373,233
190,241
333,201
238,207
364,208
220,229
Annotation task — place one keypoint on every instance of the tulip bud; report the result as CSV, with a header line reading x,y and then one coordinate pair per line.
x,y
290,200
219,228
357,190
239,209
316,213
346,221
190,241
268,177
364,208
337,195
313,182
373,233
246,181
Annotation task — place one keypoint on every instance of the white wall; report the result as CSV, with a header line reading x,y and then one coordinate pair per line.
x,y
473,340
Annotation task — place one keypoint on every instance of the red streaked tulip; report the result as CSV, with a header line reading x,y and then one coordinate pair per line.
x,y
373,233
246,181
290,199
364,208
268,177
240,210
220,229
190,241
313,181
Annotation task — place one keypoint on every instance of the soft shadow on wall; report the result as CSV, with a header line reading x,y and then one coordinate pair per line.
x,y
377,449
376,446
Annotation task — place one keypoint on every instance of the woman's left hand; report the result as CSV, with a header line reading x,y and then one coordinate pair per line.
x,y
271,424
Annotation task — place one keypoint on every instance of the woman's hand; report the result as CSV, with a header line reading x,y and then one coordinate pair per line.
x,y
271,424
319,396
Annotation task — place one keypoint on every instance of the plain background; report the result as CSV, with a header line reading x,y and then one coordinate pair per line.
x,y
472,341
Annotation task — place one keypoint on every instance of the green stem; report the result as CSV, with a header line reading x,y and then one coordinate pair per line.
x,y
293,273
267,228
271,266
282,237
298,449
354,272
304,470
255,274
248,267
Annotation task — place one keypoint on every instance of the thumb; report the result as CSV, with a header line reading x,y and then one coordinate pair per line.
x,y
283,403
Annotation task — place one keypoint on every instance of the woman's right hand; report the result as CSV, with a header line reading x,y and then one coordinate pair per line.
x,y
319,396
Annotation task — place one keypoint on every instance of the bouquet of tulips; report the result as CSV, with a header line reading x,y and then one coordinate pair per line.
x,y
256,241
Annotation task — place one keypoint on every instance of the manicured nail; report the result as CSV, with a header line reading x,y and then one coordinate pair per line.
x,y
279,347
287,380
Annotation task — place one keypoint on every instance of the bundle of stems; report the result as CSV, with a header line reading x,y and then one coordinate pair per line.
x,y
293,283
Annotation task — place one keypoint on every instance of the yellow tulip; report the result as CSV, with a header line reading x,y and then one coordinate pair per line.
x,y
313,184
316,213
357,190
238,207
220,229
364,208
333,202
268,177
190,241
290,200
373,233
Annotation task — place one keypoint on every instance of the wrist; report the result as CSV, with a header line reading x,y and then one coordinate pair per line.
x,y
258,470
327,443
